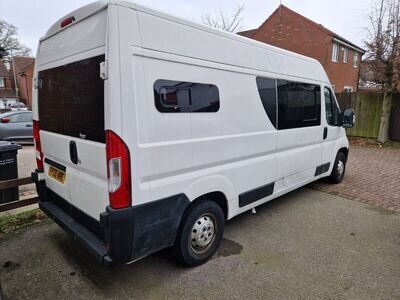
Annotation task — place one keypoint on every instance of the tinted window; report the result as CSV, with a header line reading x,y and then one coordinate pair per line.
x,y
71,100
299,104
178,96
331,109
267,90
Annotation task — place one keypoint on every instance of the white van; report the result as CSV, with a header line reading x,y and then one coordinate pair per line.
x,y
152,131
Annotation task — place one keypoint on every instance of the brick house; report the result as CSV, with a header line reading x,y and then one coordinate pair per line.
x,y
23,67
289,30
6,90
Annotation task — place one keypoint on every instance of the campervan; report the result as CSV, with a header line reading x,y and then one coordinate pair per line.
x,y
152,131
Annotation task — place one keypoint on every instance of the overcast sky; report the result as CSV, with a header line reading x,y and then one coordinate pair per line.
x,y
347,18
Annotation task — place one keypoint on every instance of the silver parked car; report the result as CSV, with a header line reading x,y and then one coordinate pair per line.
x,y
16,126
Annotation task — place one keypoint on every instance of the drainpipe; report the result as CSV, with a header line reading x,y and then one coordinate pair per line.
x,y
28,97
15,80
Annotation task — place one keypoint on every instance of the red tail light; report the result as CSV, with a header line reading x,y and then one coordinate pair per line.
x,y
38,146
67,21
118,171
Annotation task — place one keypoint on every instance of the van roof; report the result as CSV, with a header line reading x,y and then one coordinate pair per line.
x,y
92,8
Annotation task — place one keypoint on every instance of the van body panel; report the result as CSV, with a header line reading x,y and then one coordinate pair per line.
x,y
88,34
56,148
88,179
199,43
175,158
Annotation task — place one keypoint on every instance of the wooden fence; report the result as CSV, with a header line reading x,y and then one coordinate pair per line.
x,y
368,108
18,203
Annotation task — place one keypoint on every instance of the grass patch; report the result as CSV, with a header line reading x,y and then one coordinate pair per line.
x,y
21,220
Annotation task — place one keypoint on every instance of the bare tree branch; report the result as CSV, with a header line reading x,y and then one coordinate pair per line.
x,y
222,20
9,40
383,45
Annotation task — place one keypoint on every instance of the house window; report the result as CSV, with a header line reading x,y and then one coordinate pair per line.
x,y
335,53
355,60
185,97
348,89
345,55
1,82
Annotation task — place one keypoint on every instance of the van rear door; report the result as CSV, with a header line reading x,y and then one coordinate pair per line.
x,y
70,105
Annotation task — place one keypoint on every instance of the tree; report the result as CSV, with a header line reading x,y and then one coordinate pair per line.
x,y
9,40
383,46
224,21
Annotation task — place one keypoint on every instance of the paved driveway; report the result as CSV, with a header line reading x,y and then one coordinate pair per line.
x,y
307,244
26,164
372,176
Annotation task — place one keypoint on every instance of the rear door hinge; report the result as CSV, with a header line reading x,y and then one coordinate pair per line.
x,y
103,70
37,83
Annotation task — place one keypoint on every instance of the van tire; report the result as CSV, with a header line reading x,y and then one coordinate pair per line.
x,y
339,168
192,247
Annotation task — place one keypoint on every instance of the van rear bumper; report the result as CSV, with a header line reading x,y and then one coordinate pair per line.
x,y
120,235
110,241
89,240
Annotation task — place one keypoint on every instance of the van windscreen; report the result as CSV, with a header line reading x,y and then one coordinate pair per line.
x,y
71,100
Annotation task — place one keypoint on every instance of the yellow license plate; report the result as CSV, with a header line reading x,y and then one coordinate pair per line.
x,y
57,174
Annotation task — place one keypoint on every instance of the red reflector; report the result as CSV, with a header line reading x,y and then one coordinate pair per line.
x,y
38,146
67,21
118,171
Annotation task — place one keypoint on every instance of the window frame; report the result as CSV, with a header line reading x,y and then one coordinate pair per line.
x,y
355,60
333,103
2,83
345,55
169,84
335,52
348,89
303,121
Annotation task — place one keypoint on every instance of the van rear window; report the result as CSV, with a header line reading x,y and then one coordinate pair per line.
x,y
71,100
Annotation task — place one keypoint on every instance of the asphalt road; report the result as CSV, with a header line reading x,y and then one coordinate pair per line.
x,y
308,244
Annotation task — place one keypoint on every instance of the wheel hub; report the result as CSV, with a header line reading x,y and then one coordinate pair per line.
x,y
203,233
340,167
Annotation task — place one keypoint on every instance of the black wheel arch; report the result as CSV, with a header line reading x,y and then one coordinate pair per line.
x,y
345,151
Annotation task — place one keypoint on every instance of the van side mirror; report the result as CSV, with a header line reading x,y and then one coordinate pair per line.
x,y
348,118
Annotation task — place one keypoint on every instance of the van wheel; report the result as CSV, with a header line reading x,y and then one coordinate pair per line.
x,y
200,233
339,168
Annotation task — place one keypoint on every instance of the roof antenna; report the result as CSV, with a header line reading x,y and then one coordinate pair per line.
x,y
280,7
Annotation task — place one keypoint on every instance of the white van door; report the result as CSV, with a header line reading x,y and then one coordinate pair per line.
x,y
71,118
332,130
299,132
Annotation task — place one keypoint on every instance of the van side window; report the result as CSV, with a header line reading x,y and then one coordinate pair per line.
x,y
267,90
331,109
299,104
179,96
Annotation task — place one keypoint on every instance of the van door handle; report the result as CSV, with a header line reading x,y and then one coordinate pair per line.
x,y
73,152
28,125
325,133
